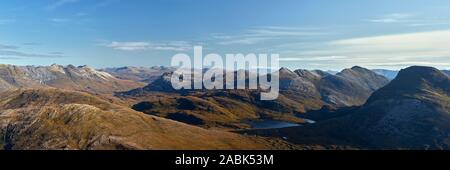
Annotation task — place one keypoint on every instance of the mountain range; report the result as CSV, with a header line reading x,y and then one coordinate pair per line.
x,y
81,78
78,107
300,91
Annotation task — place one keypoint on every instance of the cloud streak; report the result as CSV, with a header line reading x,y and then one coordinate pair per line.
x,y
393,18
2,47
264,34
11,52
17,54
323,58
143,45
59,20
409,19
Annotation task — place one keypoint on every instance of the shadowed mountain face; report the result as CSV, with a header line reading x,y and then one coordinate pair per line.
x,y
411,112
82,78
55,119
300,91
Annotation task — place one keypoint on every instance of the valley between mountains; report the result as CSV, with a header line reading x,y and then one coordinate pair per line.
x,y
79,107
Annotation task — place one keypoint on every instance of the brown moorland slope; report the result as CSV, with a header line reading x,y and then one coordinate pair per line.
x,y
58,119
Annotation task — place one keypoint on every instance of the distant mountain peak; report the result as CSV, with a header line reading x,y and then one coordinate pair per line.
x,y
310,75
85,66
71,66
420,71
286,73
284,69
358,68
415,81
421,74
355,69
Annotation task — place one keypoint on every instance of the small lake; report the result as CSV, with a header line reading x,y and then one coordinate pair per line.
x,y
309,121
275,124
271,124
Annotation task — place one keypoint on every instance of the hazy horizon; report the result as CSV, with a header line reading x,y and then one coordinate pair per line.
x,y
290,68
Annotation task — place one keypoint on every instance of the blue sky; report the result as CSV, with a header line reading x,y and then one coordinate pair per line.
x,y
311,34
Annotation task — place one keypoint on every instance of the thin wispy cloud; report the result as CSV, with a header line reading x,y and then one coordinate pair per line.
x,y
3,47
427,23
413,63
323,58
60,3
245,40
409,19
13,52
143,45
59,20
263,34
287,28
70,21
17,54
393,18
32,44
